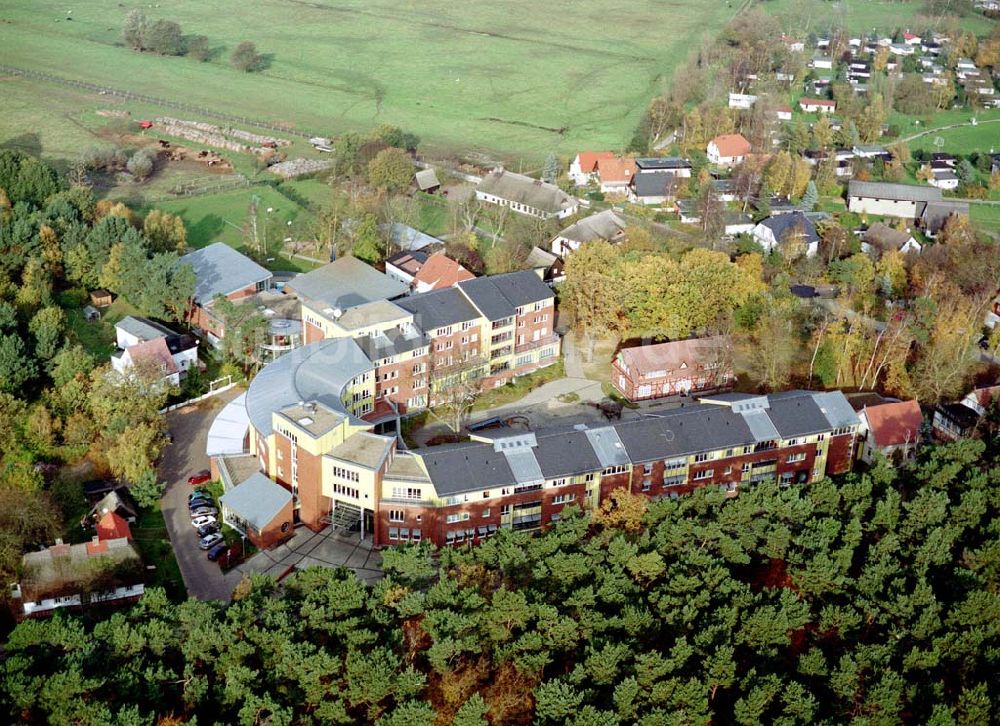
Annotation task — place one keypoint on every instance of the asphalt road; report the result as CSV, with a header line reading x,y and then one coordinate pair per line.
x,y
189,426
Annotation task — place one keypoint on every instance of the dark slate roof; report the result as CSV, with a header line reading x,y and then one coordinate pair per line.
x,y
666,162
797,416
466,467
651,185
795,221
936,214
565,454
436,309
497,296
391,343
896,192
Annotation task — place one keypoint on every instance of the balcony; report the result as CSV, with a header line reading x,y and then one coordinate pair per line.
x,y
502,338
501,352
505,323
532,345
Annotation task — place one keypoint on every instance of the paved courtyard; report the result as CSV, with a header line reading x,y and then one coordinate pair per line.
x,y
323,549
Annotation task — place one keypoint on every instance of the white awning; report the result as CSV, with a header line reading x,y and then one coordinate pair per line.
x,y
229,430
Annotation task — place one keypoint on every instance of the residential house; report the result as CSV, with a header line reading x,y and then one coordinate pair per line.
x,y
944,179
822,62
404,266
221,271
408,239
606,226
615,175
524,195
902,49
783,113
438,272
794,229
883,238
817,105
905,201
113,526
583,169
911,38
355,480
935,214
144,341
656,179
890,429
679,367
687,211
792,44
117,500
737,223
99,573
728,150
742,100
871,151
546,265
959,420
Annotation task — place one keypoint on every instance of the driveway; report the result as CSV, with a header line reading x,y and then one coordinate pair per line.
x,y
323,549
189,426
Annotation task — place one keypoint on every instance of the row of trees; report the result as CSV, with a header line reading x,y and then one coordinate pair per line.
x,y
872,598
165,37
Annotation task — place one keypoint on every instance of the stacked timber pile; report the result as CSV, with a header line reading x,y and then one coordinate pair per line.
x,y
299,167
259,139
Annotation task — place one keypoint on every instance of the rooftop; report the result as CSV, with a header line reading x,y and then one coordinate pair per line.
x,y
257,501
897,192
664,357
439,308
657,163
346,283
894,424
441,271
731,145
409,239
143,328
221,270
604,225
498,296
313,417
408,262
526,190
364,449
377,312
64,569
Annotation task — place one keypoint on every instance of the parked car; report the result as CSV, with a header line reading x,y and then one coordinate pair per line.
x,y
199,492
209,541
204,511
200,477
217,551
207,530
200,502
202,520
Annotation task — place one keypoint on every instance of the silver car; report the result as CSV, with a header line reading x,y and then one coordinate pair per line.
x,y
204,511
209,541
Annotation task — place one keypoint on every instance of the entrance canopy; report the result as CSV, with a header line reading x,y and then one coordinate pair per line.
x,y
229,430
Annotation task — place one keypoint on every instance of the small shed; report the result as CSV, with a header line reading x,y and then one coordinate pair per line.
x,y
427,181
91,313
101,298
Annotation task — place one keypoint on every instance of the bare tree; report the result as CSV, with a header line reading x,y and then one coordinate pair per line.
x,y
455,381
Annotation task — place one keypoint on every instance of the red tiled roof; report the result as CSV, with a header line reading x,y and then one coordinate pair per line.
x,y
112,526
589,159
96,548
615,170
731,145
155,350
440,271
894,424
816,102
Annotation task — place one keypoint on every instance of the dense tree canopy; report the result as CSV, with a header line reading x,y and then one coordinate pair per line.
x,y
873,599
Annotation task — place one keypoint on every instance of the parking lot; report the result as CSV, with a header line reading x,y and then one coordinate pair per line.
x,y
186,455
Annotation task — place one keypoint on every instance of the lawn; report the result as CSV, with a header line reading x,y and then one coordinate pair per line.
x,y
153,542
987,215
964,140
519,76
802,16
96,336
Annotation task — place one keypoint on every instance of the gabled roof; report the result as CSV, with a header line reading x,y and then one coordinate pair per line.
x,y
112,526
887,237
604,225
817,102
589,159
731,145
526,190
896,192
653,184
257,501
935,214
426,179
791,223
440,271
143,328
894,424
497,296
153,351
409,238
672,356
610,171
221,270
346,283
657,163
439,308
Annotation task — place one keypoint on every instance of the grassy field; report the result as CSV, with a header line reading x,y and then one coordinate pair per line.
x,y
802,16
518,76
966,139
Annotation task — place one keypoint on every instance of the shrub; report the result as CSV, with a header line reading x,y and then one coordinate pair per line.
x,y
246,58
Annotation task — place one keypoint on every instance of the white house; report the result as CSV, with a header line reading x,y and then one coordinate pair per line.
x,y
140,340
741,100
890,200
823,62
728,150
890,429
583,169
605,225
817,105
795,226
525,195
784,113
944,179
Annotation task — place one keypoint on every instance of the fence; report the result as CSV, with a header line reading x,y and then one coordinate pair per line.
x,y
165,102
192,401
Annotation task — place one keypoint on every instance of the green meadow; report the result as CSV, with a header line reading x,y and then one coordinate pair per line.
x,y
517,77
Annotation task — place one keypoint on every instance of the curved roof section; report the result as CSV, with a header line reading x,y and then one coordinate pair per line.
x,y
316,372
